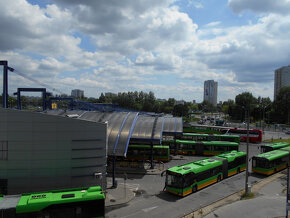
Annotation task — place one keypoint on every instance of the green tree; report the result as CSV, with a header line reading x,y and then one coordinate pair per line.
x,y
181,110
282,104
205,106
245,101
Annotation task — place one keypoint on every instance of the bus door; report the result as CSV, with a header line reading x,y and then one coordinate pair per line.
x,y
225,168
199,148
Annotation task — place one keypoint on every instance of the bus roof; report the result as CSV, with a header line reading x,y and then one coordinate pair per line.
x,y
196,166
204,134
32,202
228,136
185,141
231,156
285,148
195,134
220,143
276,145
148,146
272,155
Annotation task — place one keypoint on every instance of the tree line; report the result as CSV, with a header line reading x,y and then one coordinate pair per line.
x,y
259,108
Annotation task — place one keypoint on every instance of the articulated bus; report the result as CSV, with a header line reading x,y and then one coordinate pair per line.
x,y
143,152
185,147
210,137
271,162
188,178
273,146
78,202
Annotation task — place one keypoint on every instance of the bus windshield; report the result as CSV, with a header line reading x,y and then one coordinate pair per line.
x,y
176,181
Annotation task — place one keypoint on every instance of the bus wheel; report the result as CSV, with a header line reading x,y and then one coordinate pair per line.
x,y
194,189
238,170
219,179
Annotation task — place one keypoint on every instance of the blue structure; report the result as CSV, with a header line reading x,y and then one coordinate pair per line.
x,y
42,90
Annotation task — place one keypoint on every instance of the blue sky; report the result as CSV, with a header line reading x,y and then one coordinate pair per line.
x,y
169,47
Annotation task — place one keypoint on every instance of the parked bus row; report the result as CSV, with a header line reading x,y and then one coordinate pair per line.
x,y
188,147
78,202
255,135
209,137
182,147
143,152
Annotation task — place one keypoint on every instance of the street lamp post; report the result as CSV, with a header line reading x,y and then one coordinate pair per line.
x,y
264,116
247,155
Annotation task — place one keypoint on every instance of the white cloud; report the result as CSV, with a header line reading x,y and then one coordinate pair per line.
x,y
195,4
212,24
137,42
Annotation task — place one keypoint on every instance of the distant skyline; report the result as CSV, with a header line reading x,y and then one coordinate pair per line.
x,y
169,47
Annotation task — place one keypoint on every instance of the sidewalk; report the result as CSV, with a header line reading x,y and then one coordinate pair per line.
x,y
120,195
126,192
269,201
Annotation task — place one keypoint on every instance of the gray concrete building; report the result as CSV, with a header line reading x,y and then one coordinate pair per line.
x,y
210,92
41,152
77,93
282,79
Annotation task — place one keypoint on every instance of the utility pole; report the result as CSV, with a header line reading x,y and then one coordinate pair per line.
x,y
5,83
247,155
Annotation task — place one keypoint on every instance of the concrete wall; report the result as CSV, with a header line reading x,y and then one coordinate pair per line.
x,y
49,152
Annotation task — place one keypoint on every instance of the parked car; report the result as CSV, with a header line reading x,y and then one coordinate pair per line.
x,y
288,132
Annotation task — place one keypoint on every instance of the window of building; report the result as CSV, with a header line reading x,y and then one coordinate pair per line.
x,y
3,150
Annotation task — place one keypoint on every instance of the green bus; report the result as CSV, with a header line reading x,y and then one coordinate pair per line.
x,y
77,202
185,179
271,162
143,152
273,146
185,147
210,137
205,129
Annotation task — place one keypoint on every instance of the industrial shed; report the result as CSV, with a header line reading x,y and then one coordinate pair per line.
x,y
43,152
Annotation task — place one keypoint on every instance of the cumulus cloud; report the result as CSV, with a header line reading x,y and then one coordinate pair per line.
x,y
252,52
137,42
260,6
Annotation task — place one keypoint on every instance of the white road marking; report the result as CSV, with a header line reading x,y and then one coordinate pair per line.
x,y
149,209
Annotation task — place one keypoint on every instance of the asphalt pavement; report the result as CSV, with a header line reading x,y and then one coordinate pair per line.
x,y
268,202
140,194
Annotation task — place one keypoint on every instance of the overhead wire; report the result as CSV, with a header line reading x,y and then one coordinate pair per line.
x,y
34,80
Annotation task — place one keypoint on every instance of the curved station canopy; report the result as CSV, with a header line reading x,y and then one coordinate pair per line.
x,y
126,128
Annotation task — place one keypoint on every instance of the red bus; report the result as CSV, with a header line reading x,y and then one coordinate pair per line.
x,y
255,135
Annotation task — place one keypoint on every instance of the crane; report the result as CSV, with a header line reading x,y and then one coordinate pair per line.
x,y
34,80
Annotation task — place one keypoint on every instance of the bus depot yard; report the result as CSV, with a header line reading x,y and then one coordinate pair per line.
x,y
140,189
152,200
